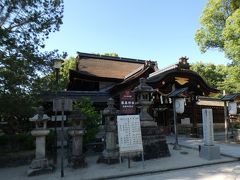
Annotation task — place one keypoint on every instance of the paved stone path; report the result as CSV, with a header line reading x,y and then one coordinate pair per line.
x,y
178,166
229,149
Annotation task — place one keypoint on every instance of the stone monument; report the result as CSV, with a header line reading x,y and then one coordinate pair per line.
x,y
208,150
77,157
40,164
154,142
110,154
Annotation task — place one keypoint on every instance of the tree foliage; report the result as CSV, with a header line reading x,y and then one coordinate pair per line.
x,y
219,76
68,64
231,83
48,82
220,28
92,123
24,27
111,54
211,73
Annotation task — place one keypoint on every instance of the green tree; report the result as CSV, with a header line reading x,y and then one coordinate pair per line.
x,y
92,123
24,27
211,73
111,54
48,82
68,64
219,76
220,28
231,83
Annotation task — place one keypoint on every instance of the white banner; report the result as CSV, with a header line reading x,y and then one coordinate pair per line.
x,y
129,134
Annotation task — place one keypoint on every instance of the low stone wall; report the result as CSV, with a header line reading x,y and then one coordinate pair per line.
x,y
186,128
16,159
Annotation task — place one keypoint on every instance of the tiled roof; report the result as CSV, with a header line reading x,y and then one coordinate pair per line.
x,y
207,101
231,97
106,66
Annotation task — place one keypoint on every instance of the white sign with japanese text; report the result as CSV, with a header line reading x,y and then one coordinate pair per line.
x,y
129,134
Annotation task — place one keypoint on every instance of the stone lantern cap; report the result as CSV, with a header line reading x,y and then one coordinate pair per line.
x,y
38,117
110,110
143,87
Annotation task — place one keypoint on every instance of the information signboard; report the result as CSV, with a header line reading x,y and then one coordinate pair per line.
x,y
129,134
62,104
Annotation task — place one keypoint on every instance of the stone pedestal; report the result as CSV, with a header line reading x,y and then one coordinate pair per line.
x,y
40,164
154,144
209,152
77,158
110,154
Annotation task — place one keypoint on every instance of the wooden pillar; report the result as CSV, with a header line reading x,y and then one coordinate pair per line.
x,y
194,132
225,121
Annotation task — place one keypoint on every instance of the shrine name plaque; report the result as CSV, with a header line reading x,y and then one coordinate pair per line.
x,y
127,102
129,134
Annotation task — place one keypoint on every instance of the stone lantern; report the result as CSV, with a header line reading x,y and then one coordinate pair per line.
x,y
110,154
77,132
143,93
154,142
40,164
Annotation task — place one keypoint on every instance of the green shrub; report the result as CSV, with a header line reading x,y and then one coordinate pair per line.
x,y
16,142
92,123
3,140
50,140
236,126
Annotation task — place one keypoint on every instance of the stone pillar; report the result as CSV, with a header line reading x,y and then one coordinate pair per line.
x,y
40,136
208,151
40,164
110,154
208,136
194,129
77,157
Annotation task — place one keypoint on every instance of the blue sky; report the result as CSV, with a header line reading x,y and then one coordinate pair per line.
x,y
158,30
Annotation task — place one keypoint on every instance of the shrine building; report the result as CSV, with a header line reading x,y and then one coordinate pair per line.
x,y
100,77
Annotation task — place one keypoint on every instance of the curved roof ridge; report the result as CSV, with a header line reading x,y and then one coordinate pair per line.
x,y
114,58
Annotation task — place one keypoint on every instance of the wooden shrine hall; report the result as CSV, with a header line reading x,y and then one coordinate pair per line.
x,y
100,77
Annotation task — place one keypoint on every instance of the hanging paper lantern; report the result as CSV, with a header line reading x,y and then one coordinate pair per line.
x,y
179,105
232,108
